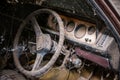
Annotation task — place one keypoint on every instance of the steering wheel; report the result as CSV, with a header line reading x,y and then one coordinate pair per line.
x,y
43,43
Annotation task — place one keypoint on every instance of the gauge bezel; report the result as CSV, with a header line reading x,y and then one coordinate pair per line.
x,y
89,30
78,28
70,24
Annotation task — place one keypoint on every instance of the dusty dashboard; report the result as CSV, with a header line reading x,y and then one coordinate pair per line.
x,y
76,30
84,33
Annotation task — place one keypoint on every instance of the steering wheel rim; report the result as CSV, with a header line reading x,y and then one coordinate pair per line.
x,y
45,68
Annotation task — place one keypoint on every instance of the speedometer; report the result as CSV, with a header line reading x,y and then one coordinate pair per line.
x,y
70,26
80,31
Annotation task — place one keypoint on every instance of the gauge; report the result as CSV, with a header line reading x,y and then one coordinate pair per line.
x,y
64,22
70,26
54,23
91,30
80,31
54,20
57,27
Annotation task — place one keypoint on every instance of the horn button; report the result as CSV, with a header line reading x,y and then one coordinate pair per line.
x,y
44,43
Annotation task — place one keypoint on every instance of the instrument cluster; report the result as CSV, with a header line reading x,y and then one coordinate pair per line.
x,y
75,29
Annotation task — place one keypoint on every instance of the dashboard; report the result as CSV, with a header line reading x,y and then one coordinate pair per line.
x,y
83,33
75,29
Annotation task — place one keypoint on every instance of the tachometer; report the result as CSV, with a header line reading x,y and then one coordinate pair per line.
x,y
80,31
70,26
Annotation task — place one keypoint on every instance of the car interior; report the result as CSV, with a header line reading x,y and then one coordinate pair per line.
x,y
56,40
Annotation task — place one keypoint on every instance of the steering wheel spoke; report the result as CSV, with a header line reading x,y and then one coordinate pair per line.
x,y
38,60
36,26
